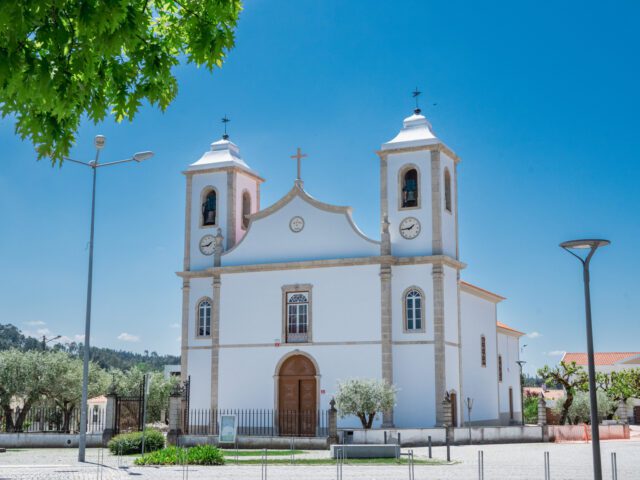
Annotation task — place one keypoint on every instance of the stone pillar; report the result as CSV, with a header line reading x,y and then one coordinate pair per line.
x,y
333,423
385,335
542,411
109,418
215,341
385,244
438,336
175,418
447,417
217,252
622,412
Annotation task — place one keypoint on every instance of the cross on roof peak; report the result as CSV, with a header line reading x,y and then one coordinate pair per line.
x,y
298,156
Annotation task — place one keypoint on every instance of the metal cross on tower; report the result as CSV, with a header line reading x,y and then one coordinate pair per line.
x,y
416,93
225,120
298,156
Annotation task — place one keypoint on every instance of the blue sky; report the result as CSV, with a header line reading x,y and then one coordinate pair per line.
x,y
540,103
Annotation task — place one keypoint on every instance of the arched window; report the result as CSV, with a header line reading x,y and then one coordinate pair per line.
x,y
410,188
447,190
499,368
204,318
246,209
413,309
209,208
483,351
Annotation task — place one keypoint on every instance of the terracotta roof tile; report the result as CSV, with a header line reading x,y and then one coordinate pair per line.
x,y
507,327
602,358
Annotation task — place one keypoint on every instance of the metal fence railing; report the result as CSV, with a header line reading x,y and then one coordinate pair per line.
x,y
259,422
51,419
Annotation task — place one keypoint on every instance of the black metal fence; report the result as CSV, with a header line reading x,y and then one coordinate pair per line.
x,y
53,419
260,422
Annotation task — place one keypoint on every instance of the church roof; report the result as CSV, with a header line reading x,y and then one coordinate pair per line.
x,y
223,153
508,328
601,358
416,132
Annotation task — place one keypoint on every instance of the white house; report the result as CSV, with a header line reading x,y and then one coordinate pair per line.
x,y
281,303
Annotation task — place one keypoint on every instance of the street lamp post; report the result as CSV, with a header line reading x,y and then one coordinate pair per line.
x,y
592,245
99,143
46,340
520,364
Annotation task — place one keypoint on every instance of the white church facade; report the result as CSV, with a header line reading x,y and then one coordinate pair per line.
x,y
280,304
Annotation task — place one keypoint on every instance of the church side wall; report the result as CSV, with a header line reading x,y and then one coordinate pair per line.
x,y
508,347
200,182
413,375
479,383
199,371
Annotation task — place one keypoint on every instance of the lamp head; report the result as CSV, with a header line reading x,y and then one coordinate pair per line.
x,y
99,141
585,243
142,156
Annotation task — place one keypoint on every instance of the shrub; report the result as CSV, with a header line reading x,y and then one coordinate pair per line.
x,y
127,443
579,411
531,409
200,455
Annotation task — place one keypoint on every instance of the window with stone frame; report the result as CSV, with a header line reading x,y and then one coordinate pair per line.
x,y
483,351
204,318
410,188
447,190
297,317
246,209
499,368
209,209
413,310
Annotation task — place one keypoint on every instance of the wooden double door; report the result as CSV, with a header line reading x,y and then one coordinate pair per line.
x,y
297,397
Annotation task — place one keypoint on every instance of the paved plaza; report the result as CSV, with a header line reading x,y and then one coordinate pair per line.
x,y
514,461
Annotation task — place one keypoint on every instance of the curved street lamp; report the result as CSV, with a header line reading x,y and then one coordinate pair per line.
x,y
99,143
592,245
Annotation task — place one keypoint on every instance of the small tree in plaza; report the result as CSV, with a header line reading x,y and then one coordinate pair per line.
x,y
364,398
620,386
571,377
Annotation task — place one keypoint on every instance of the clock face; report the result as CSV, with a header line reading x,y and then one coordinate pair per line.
x,y
410,228
296,224
207,245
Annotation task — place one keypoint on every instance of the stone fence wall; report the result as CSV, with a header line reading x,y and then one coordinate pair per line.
x,y
47,440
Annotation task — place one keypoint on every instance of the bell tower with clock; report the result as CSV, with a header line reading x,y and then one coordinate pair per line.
x,y
418,191
222,191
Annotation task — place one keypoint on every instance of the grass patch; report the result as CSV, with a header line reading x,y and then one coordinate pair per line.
x,y
199,455
258,453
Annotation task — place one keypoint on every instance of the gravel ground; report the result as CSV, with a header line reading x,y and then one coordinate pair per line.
x,y
513,462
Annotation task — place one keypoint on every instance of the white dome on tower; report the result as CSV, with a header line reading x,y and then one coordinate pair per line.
x,y
416,131
223,153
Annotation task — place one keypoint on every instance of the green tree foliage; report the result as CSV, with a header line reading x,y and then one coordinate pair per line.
x,y
531,409
580,409
11,337
620,386
63,385
21,377
61,60
128,384
364,398
571,377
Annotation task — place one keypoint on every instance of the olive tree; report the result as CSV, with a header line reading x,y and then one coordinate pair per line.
x,y
22,377
364,398
65,60
571,377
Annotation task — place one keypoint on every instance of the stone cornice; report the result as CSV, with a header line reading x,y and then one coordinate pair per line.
x,y
337,262
383,154
242,171
480,292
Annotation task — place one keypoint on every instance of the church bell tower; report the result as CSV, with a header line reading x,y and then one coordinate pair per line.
x,y
222,191
418,191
